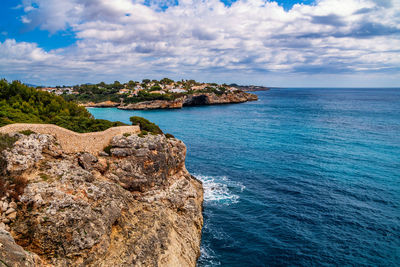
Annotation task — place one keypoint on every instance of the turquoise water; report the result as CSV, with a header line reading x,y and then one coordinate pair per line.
x,y
301,177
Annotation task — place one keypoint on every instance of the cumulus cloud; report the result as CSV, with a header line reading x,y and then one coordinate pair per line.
x,y
122,38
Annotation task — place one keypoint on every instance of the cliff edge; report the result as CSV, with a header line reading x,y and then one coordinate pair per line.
x,y
197,99
133,205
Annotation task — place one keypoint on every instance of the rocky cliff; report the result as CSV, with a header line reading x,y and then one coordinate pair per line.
x,y
193,100
155,104
136,205
105,104
213,99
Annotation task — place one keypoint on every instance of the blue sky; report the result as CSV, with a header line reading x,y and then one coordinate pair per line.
x,y
273,43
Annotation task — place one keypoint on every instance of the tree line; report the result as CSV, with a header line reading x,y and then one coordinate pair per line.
x,y
22,104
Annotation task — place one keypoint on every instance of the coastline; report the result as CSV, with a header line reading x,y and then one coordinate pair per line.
x,y
198,99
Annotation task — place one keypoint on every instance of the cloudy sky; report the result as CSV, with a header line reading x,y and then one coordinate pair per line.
x,y
331,43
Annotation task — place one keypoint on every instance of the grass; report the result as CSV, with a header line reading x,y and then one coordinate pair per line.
x,y
27,132
44,177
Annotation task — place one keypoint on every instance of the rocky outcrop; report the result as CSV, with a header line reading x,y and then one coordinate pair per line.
x,y
105,104
197,99
251,88
136,206
155,104
213,99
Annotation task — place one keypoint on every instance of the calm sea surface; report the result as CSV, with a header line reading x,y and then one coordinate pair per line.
x,y
302,177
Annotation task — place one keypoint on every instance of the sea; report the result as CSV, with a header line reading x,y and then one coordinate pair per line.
x,y
301,177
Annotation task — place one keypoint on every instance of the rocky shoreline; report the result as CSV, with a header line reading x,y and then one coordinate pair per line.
x,y
197,99
134,204
105,104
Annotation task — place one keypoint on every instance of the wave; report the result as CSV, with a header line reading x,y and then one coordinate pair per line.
x,y
220,190
207,257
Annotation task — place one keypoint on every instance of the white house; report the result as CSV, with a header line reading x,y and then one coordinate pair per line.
x,y
177,90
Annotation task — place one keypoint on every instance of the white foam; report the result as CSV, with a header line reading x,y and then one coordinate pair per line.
x,y
207,257
219,189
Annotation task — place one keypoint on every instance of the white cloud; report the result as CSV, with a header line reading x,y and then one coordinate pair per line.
x,y
25,20
124,38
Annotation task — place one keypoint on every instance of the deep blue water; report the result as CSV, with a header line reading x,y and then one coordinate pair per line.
x,y
301,177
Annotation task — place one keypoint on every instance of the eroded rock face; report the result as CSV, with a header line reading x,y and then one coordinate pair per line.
x,y
12,254
213,99
155,104
142,163
197,99
137,207
105,104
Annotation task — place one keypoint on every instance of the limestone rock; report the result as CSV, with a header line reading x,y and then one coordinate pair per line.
x,y
138,206
13,255
27,151
155,104
213,99
194,100
105,104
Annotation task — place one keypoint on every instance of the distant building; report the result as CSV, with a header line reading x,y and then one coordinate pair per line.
x,y
177,90
123,91
48,89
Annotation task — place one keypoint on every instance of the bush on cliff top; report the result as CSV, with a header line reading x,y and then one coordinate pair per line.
x,y
168,135
146,125
22,104
14,185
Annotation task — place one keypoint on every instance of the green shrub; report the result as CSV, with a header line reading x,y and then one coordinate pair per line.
x,y
169,135
44,177
155,88
6,142
146,125
143,133
27,132
107,149
126,134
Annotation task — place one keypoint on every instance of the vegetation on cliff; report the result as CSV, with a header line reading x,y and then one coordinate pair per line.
x,y
145,125
22,104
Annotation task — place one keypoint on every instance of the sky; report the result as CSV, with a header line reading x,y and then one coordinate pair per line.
x,y
321,43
